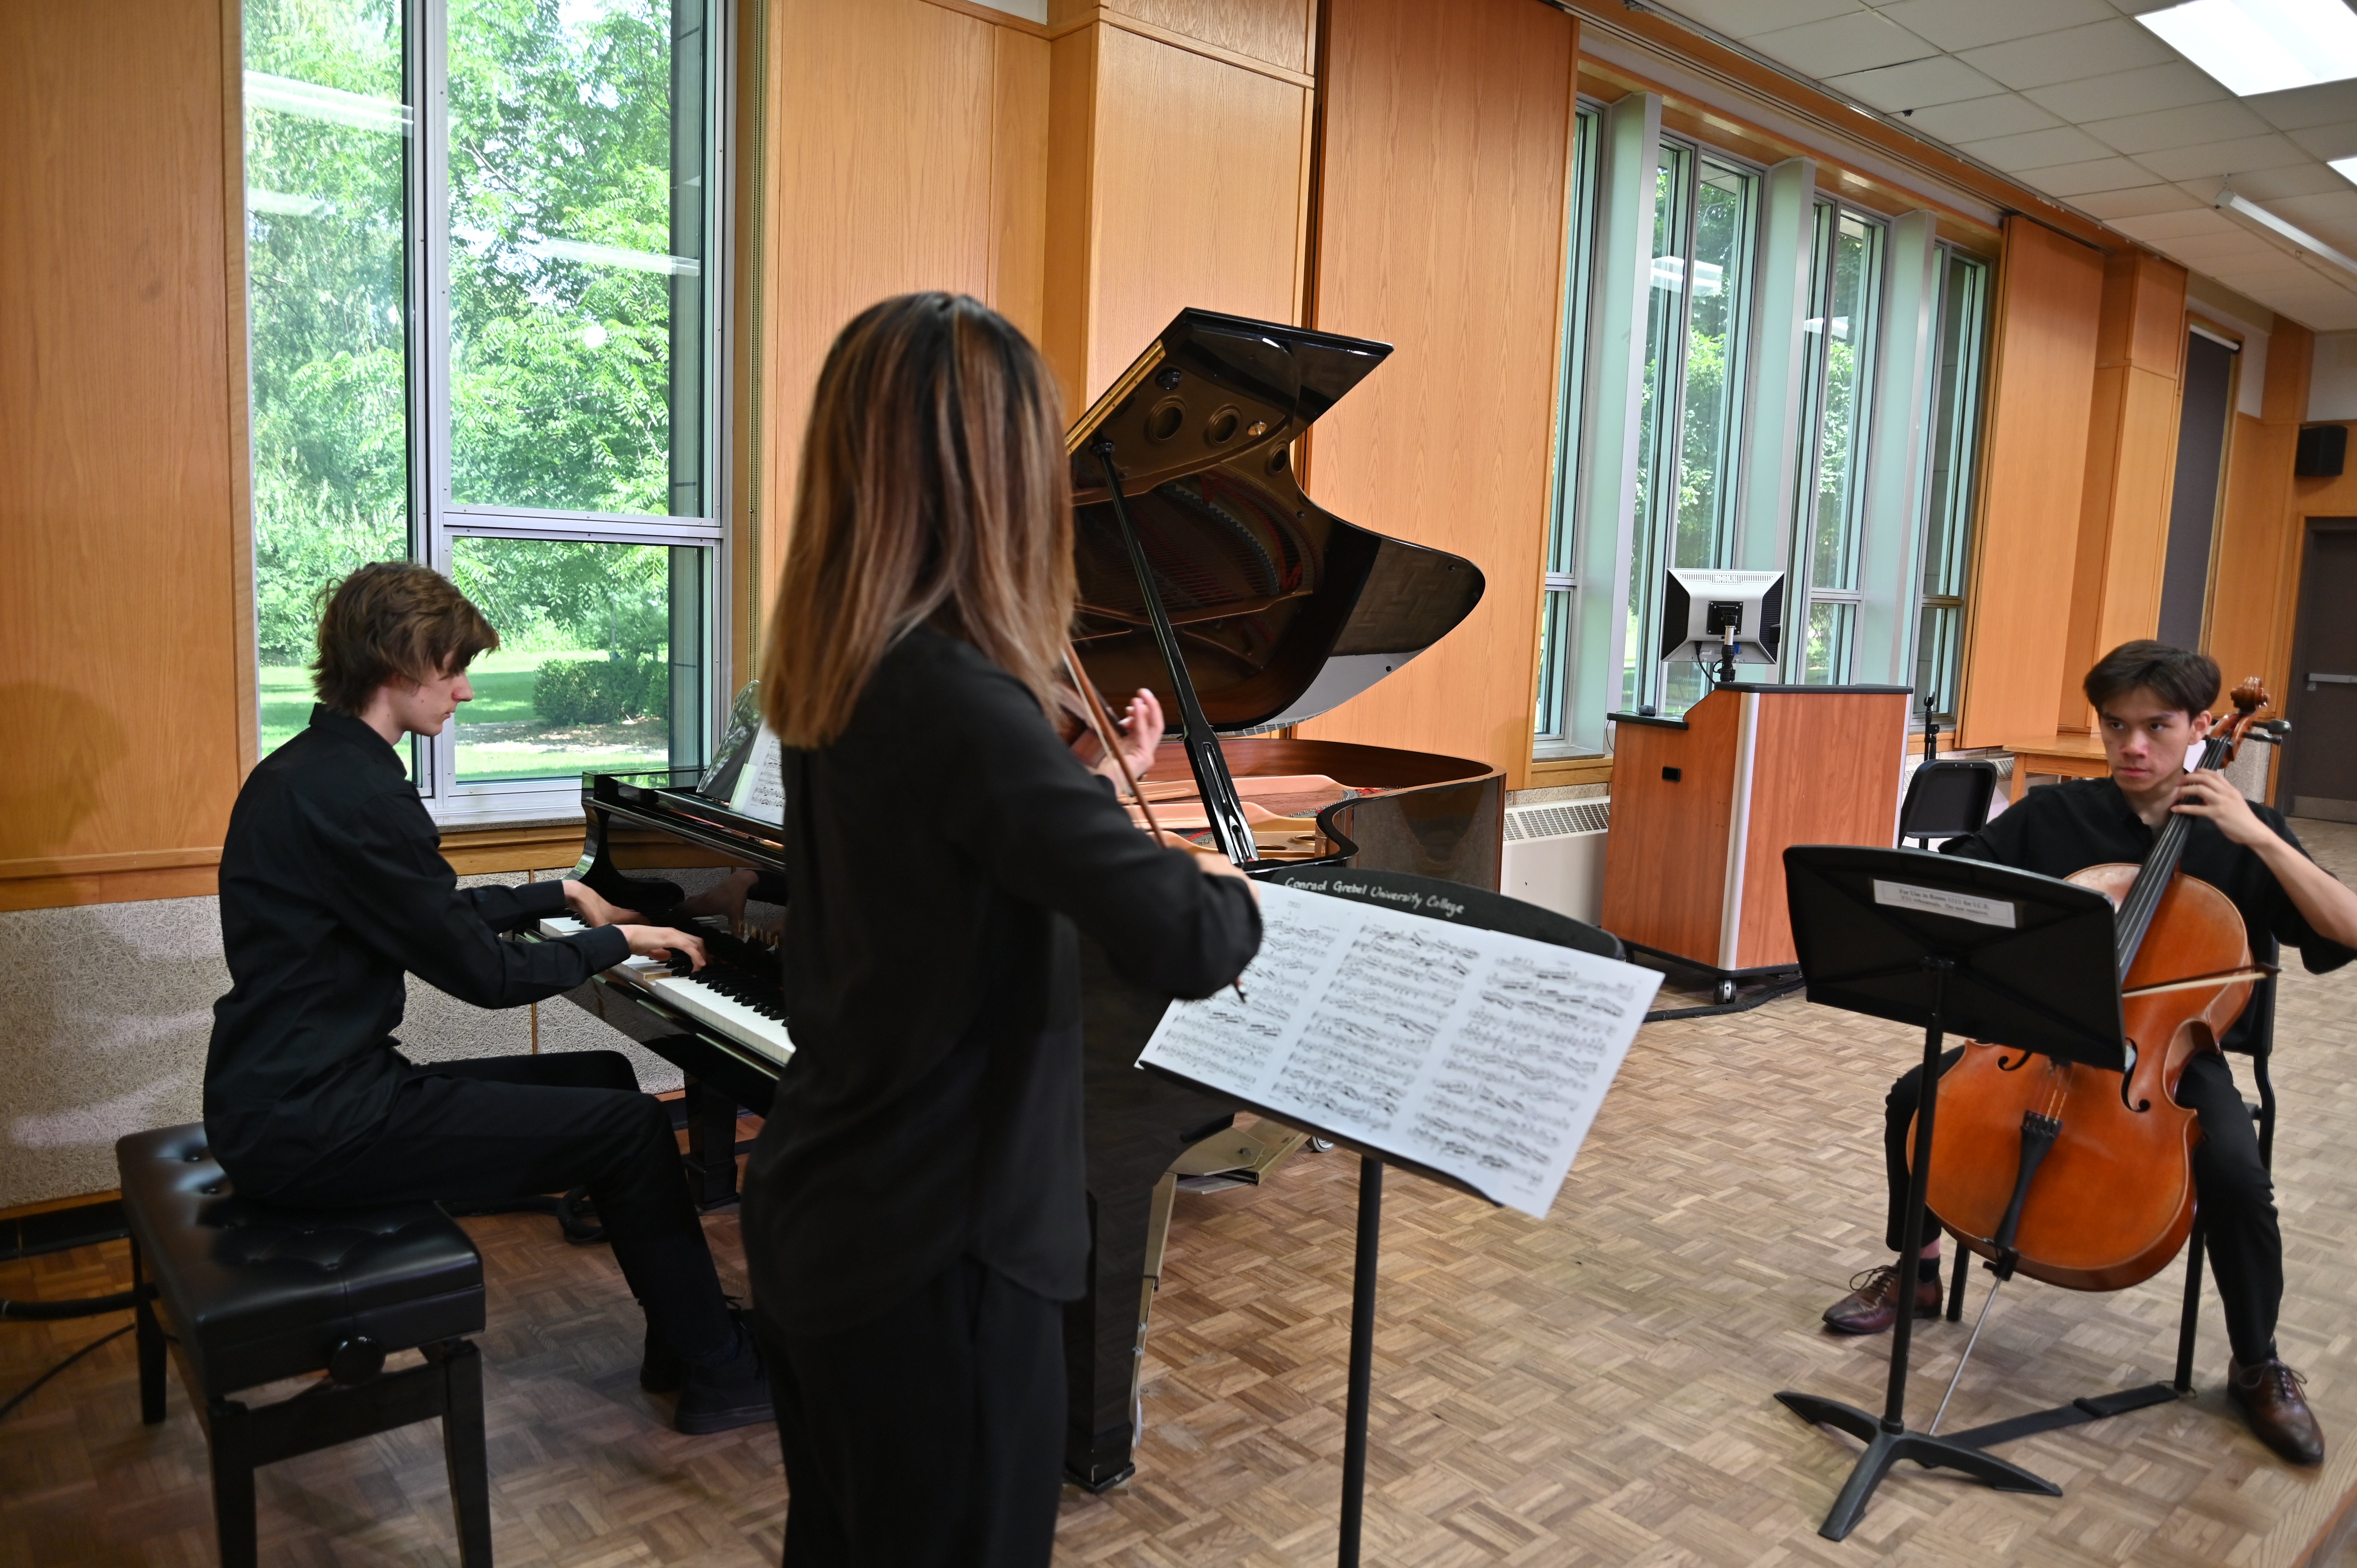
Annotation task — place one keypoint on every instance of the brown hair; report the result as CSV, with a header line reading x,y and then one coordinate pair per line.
x,y
393,620
935,491
2178,676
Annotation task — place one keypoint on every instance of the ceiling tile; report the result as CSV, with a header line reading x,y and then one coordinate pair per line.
x,y
2170,86
1954,27
2138,8
2176,127
1943,79
2222,157
2159,226
2073,180
1844,43
2326,104
2137,201
2217,249
2329,141
2336,211
2097,49
2308,178
1743,18
1978,119
2037,149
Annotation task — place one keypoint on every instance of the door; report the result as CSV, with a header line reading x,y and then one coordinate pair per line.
x,y
2320,758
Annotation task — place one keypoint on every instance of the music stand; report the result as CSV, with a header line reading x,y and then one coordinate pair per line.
x,y
2007,956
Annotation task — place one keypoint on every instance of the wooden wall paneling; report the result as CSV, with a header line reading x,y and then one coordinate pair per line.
x,y
1278,32
2253,595
1665,858
1197,187
902,141
1018,180
123,658
2131,464
2050,295
1825,769
1447,147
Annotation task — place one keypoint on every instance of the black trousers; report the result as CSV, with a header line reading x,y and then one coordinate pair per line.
x,y
2231,1181
503,1127
929,1436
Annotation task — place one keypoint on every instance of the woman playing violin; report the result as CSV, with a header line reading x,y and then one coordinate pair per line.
x,y
2153,702
915,1212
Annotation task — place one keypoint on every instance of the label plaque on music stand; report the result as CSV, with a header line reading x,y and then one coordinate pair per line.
x,y
1955,946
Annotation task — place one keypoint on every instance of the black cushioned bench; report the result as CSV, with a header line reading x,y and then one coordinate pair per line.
x,y
249,1295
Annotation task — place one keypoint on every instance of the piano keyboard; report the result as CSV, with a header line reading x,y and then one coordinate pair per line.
x,y
706,1002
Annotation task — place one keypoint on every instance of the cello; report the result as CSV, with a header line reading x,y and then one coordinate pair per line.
x,y
2081,1176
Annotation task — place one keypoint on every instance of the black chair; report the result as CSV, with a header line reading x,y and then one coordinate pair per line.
x,y
253,1293
1945,800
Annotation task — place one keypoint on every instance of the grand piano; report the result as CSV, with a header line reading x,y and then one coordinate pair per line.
x,y
1206,574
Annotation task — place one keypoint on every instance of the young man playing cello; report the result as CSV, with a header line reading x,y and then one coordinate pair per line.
x,y
2152,704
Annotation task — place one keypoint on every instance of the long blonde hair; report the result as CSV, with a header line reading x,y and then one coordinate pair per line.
x,y
935,491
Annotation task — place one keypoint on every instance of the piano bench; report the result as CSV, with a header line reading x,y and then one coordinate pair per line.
x,y
253,1293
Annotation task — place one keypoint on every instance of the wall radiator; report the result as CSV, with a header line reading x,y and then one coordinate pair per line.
x,y
1554,856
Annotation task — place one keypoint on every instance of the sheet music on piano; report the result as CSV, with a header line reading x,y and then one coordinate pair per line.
x,y
1480,1055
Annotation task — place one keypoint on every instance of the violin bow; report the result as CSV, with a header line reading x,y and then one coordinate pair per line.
x,y
1101,721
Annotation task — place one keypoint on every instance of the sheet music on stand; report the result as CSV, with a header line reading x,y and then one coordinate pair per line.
x,y
1469,1053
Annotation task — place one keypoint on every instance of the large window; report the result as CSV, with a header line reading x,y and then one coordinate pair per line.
x,y
1555,616
1705,213
1844,290
1947,524
483,337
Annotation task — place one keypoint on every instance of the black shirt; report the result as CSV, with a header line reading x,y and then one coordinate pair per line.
x,y
940,854
2057,829
332,884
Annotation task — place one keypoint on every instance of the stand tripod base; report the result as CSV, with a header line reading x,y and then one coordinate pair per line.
x,y
1884,1448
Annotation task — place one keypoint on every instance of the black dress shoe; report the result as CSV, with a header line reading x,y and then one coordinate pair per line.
x,y
1872,1305
659,1368
725,1394
2268,1393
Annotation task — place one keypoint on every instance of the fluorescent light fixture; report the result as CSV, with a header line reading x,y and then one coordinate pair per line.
x,y
2345,167
2261,45
2243,207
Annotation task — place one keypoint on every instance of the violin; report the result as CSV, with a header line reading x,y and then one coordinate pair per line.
x,y
2082,1176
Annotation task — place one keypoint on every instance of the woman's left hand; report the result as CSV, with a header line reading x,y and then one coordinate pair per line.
x,y
1141,733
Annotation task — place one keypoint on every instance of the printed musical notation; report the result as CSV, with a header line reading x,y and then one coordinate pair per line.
x,y
1478,1054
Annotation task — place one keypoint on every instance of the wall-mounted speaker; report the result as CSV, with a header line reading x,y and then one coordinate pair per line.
x,y
2322,450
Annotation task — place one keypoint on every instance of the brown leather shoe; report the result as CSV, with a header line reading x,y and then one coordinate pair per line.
x,y
1872,1305
2269,1394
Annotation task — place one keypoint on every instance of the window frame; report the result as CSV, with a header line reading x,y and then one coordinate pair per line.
x,y
1801,593
1644,679
435,524
1952,511
1559,576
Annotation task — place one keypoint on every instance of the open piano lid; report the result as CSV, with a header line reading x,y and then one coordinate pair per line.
x,y
1282,609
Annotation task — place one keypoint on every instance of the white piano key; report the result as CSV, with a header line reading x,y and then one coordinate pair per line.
x,y
692,997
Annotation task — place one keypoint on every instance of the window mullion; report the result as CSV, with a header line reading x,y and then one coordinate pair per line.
x,y
430,329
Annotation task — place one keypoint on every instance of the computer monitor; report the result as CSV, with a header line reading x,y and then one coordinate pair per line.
x,y
1700,605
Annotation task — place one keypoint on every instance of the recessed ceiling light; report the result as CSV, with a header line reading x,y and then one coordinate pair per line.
x,y
2261,45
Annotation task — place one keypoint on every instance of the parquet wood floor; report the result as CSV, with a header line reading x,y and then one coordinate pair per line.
x,y
1591,1389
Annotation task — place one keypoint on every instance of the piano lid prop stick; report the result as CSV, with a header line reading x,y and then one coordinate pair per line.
x,y
1101,721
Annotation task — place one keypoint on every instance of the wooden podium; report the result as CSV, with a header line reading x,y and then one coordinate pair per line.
x,y
1703,807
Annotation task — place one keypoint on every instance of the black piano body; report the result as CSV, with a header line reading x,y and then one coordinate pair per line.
x,y
1278,611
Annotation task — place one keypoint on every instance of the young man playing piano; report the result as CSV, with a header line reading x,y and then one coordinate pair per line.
x,y
2152,704
332,888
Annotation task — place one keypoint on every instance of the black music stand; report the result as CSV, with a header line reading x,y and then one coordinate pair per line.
x,y
2008,957
1457,903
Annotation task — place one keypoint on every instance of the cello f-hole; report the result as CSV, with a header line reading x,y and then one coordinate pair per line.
x,y
2015,1065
